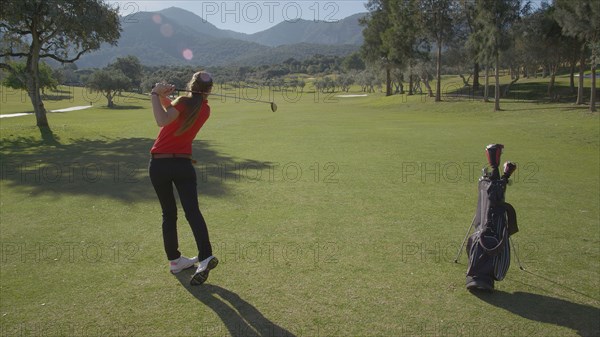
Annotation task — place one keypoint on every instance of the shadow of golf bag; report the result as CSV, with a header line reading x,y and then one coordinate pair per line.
x,y
488,248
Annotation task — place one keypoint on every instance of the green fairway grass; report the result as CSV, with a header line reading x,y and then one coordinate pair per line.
x,y
331,217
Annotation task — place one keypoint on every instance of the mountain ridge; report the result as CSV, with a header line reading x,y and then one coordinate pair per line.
x,y
175,36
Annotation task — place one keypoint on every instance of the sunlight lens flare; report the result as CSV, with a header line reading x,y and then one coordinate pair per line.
x,y
166,30
188,54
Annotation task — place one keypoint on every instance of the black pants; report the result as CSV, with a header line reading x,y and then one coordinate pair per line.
x,y
179,171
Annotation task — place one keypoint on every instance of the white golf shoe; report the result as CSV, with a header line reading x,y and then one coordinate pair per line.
x,y
182,263
201,274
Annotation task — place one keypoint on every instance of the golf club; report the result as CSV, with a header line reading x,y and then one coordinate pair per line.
x,y
273,105
493,152
509,169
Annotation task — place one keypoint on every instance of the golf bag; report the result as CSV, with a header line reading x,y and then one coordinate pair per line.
x,y
488,248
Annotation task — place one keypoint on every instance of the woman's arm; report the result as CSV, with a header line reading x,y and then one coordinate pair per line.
x,y
164,113
165,101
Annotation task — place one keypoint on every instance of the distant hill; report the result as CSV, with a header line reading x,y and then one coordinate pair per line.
x,y
169,36
195,22
345,31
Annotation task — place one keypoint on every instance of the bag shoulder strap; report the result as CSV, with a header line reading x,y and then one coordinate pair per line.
x,y
511,215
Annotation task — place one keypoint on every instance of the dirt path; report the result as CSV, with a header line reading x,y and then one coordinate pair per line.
x,y
59,110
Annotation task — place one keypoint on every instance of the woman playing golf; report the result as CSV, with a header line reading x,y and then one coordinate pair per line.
x,y
171,163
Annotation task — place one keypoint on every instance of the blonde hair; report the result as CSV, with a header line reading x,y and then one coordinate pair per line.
x,y
199,87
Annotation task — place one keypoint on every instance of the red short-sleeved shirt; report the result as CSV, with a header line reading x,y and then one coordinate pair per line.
x,y
168,142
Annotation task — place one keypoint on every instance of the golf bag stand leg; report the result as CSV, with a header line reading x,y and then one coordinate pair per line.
x,y
464,240
512,243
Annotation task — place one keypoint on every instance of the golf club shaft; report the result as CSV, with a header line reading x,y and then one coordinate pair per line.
x,y
226,96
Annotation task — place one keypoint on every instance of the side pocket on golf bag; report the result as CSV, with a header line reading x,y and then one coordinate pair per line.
x,y
481,265
489,250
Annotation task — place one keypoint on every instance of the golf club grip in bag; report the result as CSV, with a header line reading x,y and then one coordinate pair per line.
x,y
488,248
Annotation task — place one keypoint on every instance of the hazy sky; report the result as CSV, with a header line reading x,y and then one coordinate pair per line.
x,y
251,16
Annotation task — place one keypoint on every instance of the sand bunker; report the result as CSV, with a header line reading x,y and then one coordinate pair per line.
x,y
348,96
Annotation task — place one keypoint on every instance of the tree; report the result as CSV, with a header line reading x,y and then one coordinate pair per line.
x,y
108,81
353,62
391,36
345,81
375,48
423,70
68,74
15,79
437,20
131,67
459,61
367,80
468,27
58,29
405,39
549,37
496,17
398,79
292,64
581,19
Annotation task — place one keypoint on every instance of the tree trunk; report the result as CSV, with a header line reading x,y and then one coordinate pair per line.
x,y
475,77
572,76
109,97
580,89
497,75
428,87
486,90
593,95
33,82
410,85
388,81
551,93
465,80
438,85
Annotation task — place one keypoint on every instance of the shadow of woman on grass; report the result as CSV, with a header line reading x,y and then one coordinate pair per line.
x,y
584,319
240,317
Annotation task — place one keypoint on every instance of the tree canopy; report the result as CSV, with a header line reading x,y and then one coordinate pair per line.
x,y
57,29
131,67
16,79
109,81
581,19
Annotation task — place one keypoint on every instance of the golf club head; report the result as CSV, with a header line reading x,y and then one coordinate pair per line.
x,y
493,153
509,169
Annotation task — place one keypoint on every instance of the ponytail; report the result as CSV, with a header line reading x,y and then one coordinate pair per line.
x,y
199,88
